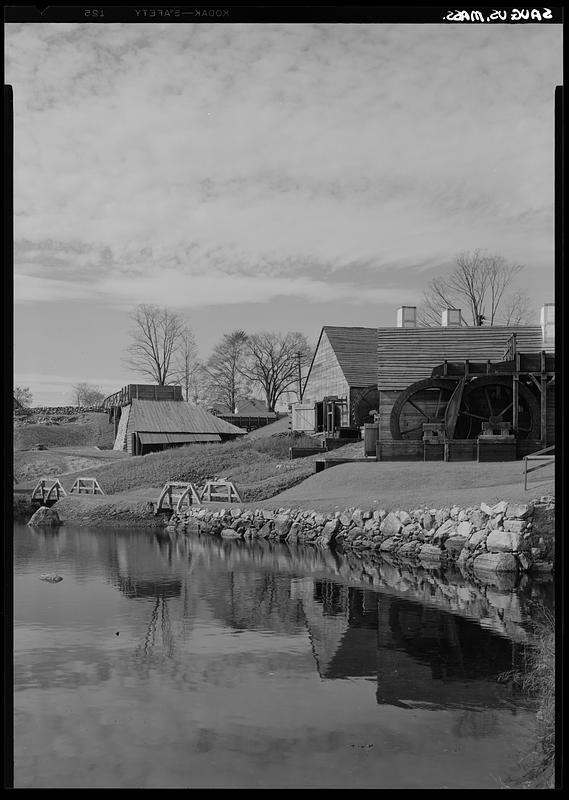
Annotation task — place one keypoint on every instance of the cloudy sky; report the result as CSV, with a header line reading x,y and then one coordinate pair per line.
x,y
265,176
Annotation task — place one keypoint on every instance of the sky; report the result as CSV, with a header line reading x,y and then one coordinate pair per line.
x,y
270,177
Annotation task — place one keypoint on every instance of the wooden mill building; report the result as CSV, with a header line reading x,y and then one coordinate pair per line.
x,y
462,382
151,418
340,389
434,384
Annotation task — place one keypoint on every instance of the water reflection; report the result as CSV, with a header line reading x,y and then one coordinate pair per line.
x,y
414,633
231,647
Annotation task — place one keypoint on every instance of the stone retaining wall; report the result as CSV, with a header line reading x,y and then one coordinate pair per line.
x,y
503,538
58,411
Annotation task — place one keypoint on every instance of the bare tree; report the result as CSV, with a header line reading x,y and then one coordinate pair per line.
x,y
84,394
275,363
23,396
156,338
516,309
186,363
200,390
223,369
477,286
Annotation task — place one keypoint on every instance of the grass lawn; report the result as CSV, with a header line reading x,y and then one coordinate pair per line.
x,y
259,468
89,429
264,475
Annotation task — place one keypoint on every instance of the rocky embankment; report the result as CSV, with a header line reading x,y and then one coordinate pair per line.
x,y
503,538
494,600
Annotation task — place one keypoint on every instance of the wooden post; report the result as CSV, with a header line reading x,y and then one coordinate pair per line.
x,y
515,400
543,407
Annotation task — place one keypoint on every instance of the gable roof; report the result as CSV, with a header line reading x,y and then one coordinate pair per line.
x,y
246,407
356,351
173,416
407,355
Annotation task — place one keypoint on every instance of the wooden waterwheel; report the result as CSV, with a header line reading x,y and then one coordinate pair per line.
x,y
364,402
463,407
490,399
423,402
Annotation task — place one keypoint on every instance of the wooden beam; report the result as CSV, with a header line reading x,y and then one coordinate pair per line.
x,y
515,401
543,407
534,379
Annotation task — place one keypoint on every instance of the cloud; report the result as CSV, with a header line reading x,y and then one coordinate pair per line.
x,y
309,173
172,288
236,146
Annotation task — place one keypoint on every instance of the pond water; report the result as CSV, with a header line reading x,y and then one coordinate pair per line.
x,y
186,661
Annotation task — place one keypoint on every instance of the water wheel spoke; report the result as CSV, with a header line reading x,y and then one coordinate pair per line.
x,y
412,430
508,407
474,416
438,403
487,395
416,407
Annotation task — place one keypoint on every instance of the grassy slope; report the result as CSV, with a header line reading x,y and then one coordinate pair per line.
x,y
400,484
90,429
259,468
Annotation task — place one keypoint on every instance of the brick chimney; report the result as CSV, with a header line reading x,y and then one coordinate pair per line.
x,y
548,324
407,317
451,318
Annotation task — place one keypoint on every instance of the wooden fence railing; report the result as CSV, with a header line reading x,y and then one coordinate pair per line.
x,y
48,491
177,495
545,457
86,486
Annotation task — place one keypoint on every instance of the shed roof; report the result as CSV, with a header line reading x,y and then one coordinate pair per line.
x,y
173,416
178,438
356,351
407,355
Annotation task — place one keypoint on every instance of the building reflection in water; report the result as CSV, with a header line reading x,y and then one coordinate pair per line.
x,y
418,655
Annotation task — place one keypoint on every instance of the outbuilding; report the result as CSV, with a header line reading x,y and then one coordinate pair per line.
x,y
340,390
149,419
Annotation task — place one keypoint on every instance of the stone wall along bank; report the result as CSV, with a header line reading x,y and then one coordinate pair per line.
x,y
505,537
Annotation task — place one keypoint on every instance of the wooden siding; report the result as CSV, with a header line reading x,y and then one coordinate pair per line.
x,y
407,355
326,376
386,401
120,440
550,415
345,358
142,391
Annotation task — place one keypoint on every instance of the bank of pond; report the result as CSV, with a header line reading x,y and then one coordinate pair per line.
x,y
262,663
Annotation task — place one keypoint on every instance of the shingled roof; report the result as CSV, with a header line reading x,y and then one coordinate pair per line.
x,y
172,416
407,355
356,351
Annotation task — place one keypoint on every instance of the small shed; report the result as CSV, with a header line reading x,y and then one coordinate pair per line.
x,y
250,413
148,426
